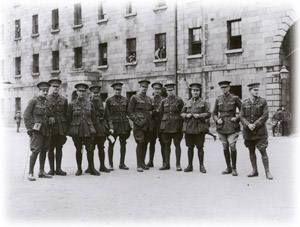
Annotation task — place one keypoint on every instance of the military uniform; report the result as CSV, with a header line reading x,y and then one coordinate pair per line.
x,y
81,115
225,109
57,108
171,127
254,111
101,127
195,127
157,99
140,112
37,125
116,112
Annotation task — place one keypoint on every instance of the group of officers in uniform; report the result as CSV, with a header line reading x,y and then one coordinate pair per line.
x,y
49,119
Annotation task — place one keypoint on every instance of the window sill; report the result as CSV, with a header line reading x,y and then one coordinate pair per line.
x,y
130,15
35,74
18,39
194,56
102,21
78,69
77,26
53,31
55,72
18,76
159,8
234,51
102,67
35,35
130,63
160,60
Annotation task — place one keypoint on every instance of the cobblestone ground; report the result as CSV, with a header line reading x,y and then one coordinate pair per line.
x,y
152,196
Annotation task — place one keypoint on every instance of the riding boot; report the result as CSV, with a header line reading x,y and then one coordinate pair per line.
x,y
253,164
228,170
78,161
59,171
265,161
138,157
178,156
233,162
90,156
110,155
122,157
51,160
201,160
189,168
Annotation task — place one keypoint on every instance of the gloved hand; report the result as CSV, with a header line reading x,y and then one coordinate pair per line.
x,y
30,132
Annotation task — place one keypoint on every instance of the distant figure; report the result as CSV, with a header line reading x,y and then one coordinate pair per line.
x,y
160,53
286,117
18,118
277,118
131,58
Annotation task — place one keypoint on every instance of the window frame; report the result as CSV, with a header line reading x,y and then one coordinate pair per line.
x,y
234,41
193,43
55,60
130,51
77,14
35,63
18,64
55,19
101,58
35,24
78,64
157,45
18,32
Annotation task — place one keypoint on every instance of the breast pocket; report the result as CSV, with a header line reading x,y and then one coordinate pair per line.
x,y
247,111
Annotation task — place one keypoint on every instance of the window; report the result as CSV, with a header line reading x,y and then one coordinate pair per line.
x,y
131,50
101,14
102,54
35,24
78,57
55,19
55,60
18,66
35,64
160,46
234,34
195,41
17,29
17,104
77,14
129,8
236,90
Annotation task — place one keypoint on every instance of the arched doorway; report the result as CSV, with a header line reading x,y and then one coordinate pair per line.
x,y
288,55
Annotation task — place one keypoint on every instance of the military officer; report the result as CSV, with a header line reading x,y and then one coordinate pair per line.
x,y
195,113
81,115
171,125
116,112
101,126
157,98
227,124
254,114
37,125
140,112
57,108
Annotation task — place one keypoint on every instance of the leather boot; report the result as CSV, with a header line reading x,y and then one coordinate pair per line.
x,y
151,154
178,156
233,160
138,157
254,172
32,161
101,156
110,156
201,160
93,171
189,168
228,170
265,161
78,161
42,173
166,165
51,160
59,171
122,157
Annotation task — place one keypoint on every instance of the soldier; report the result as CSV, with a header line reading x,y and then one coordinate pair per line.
x,y
18,118
157,98
140,112
57,108
36,123
254,114
101,126
116,112
171,125
195,113
81,115
227,124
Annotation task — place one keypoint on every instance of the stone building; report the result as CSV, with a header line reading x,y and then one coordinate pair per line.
x,y
184,41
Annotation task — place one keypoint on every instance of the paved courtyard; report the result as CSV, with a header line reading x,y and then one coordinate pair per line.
x,y
153,196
